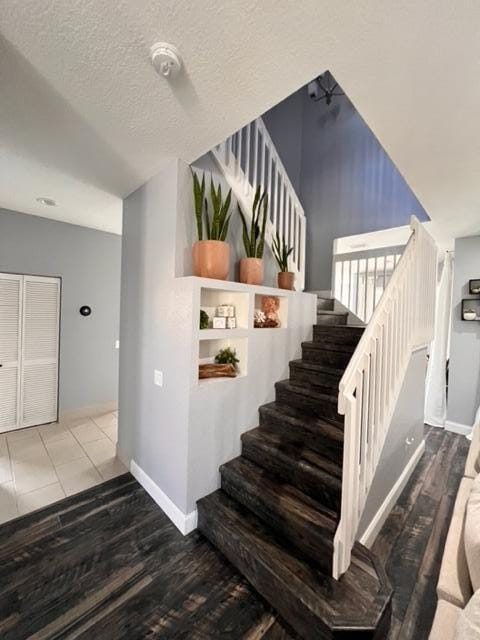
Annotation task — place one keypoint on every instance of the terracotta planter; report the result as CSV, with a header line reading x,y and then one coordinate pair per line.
x,y
211,259
286,280
251,270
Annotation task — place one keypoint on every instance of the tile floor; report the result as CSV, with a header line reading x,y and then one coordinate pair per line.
x,y
41,465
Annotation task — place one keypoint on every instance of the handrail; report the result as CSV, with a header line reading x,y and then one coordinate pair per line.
x,y
369,389
248,158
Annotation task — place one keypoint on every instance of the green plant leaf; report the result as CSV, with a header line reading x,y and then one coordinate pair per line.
x,y
198,193
207,221
245,236
261,244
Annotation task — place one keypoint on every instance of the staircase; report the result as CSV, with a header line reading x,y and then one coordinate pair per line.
x,y
277,512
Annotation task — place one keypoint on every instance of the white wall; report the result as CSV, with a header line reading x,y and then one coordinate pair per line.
x,y
464,377
180,433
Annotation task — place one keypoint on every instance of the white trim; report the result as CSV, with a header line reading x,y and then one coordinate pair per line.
x,y
457,427
185,523
371,532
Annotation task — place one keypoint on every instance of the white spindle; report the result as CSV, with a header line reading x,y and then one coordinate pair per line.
x,y
371,384
249,158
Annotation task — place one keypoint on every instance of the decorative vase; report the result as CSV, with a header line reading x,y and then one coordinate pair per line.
x,y
469,315
211,259
251,270
286,280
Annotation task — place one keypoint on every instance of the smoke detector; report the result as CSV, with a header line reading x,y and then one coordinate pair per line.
x,y
166,59
47,202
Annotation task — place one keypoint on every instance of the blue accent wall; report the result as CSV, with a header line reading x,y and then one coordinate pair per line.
x,y
346,181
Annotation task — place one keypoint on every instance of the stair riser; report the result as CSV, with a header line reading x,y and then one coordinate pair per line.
x,y
262,577
316,378
322,333
311,541
331,319
336,359
324,304
330,448
322,487
313,406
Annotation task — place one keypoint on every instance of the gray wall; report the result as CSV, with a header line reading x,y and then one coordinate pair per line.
x,y
464,378
285,124
88,262
407,422
153,421
348,184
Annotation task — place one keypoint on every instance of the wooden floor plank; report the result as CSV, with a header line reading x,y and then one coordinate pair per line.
x,y
108,564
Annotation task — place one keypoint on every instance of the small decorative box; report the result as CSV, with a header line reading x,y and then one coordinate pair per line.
x,y
226,311
231,323
219,323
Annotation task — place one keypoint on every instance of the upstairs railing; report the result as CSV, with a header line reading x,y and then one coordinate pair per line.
x,y
369,389
248,158
359,278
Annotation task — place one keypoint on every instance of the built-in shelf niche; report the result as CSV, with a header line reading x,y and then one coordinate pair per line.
x,y
210,299
209,348
472,304
282,311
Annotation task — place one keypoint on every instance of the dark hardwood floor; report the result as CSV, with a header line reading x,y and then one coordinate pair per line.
x,y
108,564
410,544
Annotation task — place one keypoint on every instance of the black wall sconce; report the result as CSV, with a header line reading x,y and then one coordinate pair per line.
x,y
85,310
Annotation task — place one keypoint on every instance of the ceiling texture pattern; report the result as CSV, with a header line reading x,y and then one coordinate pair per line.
x,y
85,119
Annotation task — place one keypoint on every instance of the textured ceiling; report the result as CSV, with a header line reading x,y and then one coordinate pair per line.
x,y
84,118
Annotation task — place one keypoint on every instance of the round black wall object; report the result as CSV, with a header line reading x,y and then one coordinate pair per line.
x,y
85,310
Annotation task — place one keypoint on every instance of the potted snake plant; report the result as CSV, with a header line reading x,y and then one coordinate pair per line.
x,y
211,253
251,267
281,251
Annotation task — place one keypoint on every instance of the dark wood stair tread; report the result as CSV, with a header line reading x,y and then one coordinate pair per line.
x,y
313,603
330,345
307,525
293,448
307,470
296,418
316,367
336,333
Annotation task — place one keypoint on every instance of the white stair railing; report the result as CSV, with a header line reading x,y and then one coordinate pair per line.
x,y
359,278
368,393
249,158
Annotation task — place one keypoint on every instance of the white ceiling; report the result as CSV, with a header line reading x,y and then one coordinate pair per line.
x,y
84,118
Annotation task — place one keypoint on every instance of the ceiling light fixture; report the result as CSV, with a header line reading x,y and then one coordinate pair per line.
x,y
166,59
324,88
47,202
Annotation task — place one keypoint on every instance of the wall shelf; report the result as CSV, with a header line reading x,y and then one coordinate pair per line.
x,y
221,334
474,305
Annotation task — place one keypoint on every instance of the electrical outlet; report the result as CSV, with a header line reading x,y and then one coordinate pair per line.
x,y
158,377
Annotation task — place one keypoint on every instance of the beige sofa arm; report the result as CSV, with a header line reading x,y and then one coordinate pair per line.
x,y
454,581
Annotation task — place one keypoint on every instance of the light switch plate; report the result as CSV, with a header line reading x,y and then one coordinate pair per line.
x,y
117,344
158,377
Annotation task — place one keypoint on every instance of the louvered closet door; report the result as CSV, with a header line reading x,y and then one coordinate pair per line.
x,y
41,312
10,348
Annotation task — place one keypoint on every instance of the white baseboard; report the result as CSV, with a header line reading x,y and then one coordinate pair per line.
x,y
185,523
382,514
457,427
